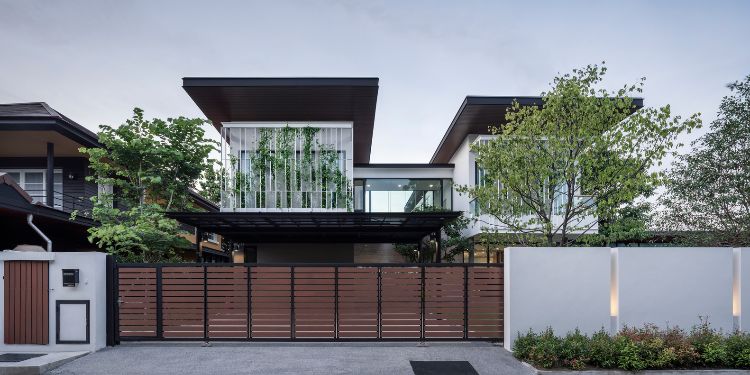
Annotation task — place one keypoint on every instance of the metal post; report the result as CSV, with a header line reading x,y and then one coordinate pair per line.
x,y
422,309
50,182
439,245
249,303
198,252
159,311
420,251
111,298
116,312
466,301
380,302
336,302
292,323
205,306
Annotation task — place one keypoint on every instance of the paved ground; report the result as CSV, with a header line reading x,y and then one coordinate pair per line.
x,y
288,358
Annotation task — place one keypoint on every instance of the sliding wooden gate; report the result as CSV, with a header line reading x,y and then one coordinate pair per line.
x,y
309,302
26,302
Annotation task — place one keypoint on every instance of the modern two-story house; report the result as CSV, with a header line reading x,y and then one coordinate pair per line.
x,y
298,185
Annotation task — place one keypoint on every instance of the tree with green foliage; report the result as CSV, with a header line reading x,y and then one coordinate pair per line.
x,y
707,201
150,166
553,170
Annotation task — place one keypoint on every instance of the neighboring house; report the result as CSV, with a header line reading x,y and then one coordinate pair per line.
x,y
300,187
42,173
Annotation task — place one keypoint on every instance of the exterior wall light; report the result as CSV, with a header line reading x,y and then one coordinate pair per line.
x,y
737,288
614,292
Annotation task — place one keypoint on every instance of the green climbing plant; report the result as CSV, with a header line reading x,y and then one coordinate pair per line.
x,y
292,163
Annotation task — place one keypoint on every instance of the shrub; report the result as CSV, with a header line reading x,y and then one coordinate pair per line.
x,y
709,344
575,350
524,344
603,350
636,349
546,351
738,350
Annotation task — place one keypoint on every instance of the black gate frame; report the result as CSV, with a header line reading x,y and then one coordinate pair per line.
x,y
113,313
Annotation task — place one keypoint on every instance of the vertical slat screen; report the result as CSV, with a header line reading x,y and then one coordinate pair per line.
x,y
26,290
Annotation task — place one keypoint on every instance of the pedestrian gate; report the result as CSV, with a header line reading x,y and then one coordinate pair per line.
x,y
316,302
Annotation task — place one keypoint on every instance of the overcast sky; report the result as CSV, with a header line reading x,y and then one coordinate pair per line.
x,y
96,60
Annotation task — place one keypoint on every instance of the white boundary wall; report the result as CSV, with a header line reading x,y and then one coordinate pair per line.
x,y
595,288
92,287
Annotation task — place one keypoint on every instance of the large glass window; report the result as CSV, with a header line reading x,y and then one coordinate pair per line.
x,y
402,194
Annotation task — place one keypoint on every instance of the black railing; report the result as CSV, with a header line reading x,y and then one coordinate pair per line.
x,y
65,202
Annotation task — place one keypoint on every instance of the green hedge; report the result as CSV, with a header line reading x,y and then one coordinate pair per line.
x,y
635,349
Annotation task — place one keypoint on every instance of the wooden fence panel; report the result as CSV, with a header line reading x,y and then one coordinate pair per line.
x,y
26,301
310,302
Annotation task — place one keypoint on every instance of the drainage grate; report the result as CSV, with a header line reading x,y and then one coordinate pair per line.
x,y
17,357
442,368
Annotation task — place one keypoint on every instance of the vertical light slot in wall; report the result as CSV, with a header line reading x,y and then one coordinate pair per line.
x,y
737,288
614,300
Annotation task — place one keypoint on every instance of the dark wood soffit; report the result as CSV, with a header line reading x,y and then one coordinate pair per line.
x,y
339,102
476,115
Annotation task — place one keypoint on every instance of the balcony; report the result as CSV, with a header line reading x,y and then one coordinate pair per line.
x,y
64,202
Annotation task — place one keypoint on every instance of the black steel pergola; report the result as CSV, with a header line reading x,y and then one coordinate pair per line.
x,y
338,227
319,227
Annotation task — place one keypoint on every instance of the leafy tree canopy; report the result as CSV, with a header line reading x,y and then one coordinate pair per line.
x,y
149,165
552,170
707,199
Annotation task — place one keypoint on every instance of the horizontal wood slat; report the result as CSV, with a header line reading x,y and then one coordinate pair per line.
x,y
347,301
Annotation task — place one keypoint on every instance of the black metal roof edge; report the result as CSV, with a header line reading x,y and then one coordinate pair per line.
x,y
63,124
278,81
175,214
403,165
499,100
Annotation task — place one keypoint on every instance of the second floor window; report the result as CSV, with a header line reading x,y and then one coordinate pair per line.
x,y
34,182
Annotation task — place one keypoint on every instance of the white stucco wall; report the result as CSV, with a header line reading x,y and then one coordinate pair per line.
x,y
594,288
673,286
92,287
562,288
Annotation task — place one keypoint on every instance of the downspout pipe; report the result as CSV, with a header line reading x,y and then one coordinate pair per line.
x,y
30,221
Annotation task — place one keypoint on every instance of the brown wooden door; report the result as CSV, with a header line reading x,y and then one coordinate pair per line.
x,y
26,310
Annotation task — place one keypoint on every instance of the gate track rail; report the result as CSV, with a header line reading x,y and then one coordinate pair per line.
x,y
308,302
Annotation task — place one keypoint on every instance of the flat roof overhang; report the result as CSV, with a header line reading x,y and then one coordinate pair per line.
x,y
334,227
476,115
290,99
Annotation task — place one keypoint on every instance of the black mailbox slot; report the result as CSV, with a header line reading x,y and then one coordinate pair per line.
x,y
70,277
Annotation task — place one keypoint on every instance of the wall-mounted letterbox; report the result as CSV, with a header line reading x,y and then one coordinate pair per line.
x,y
70,277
